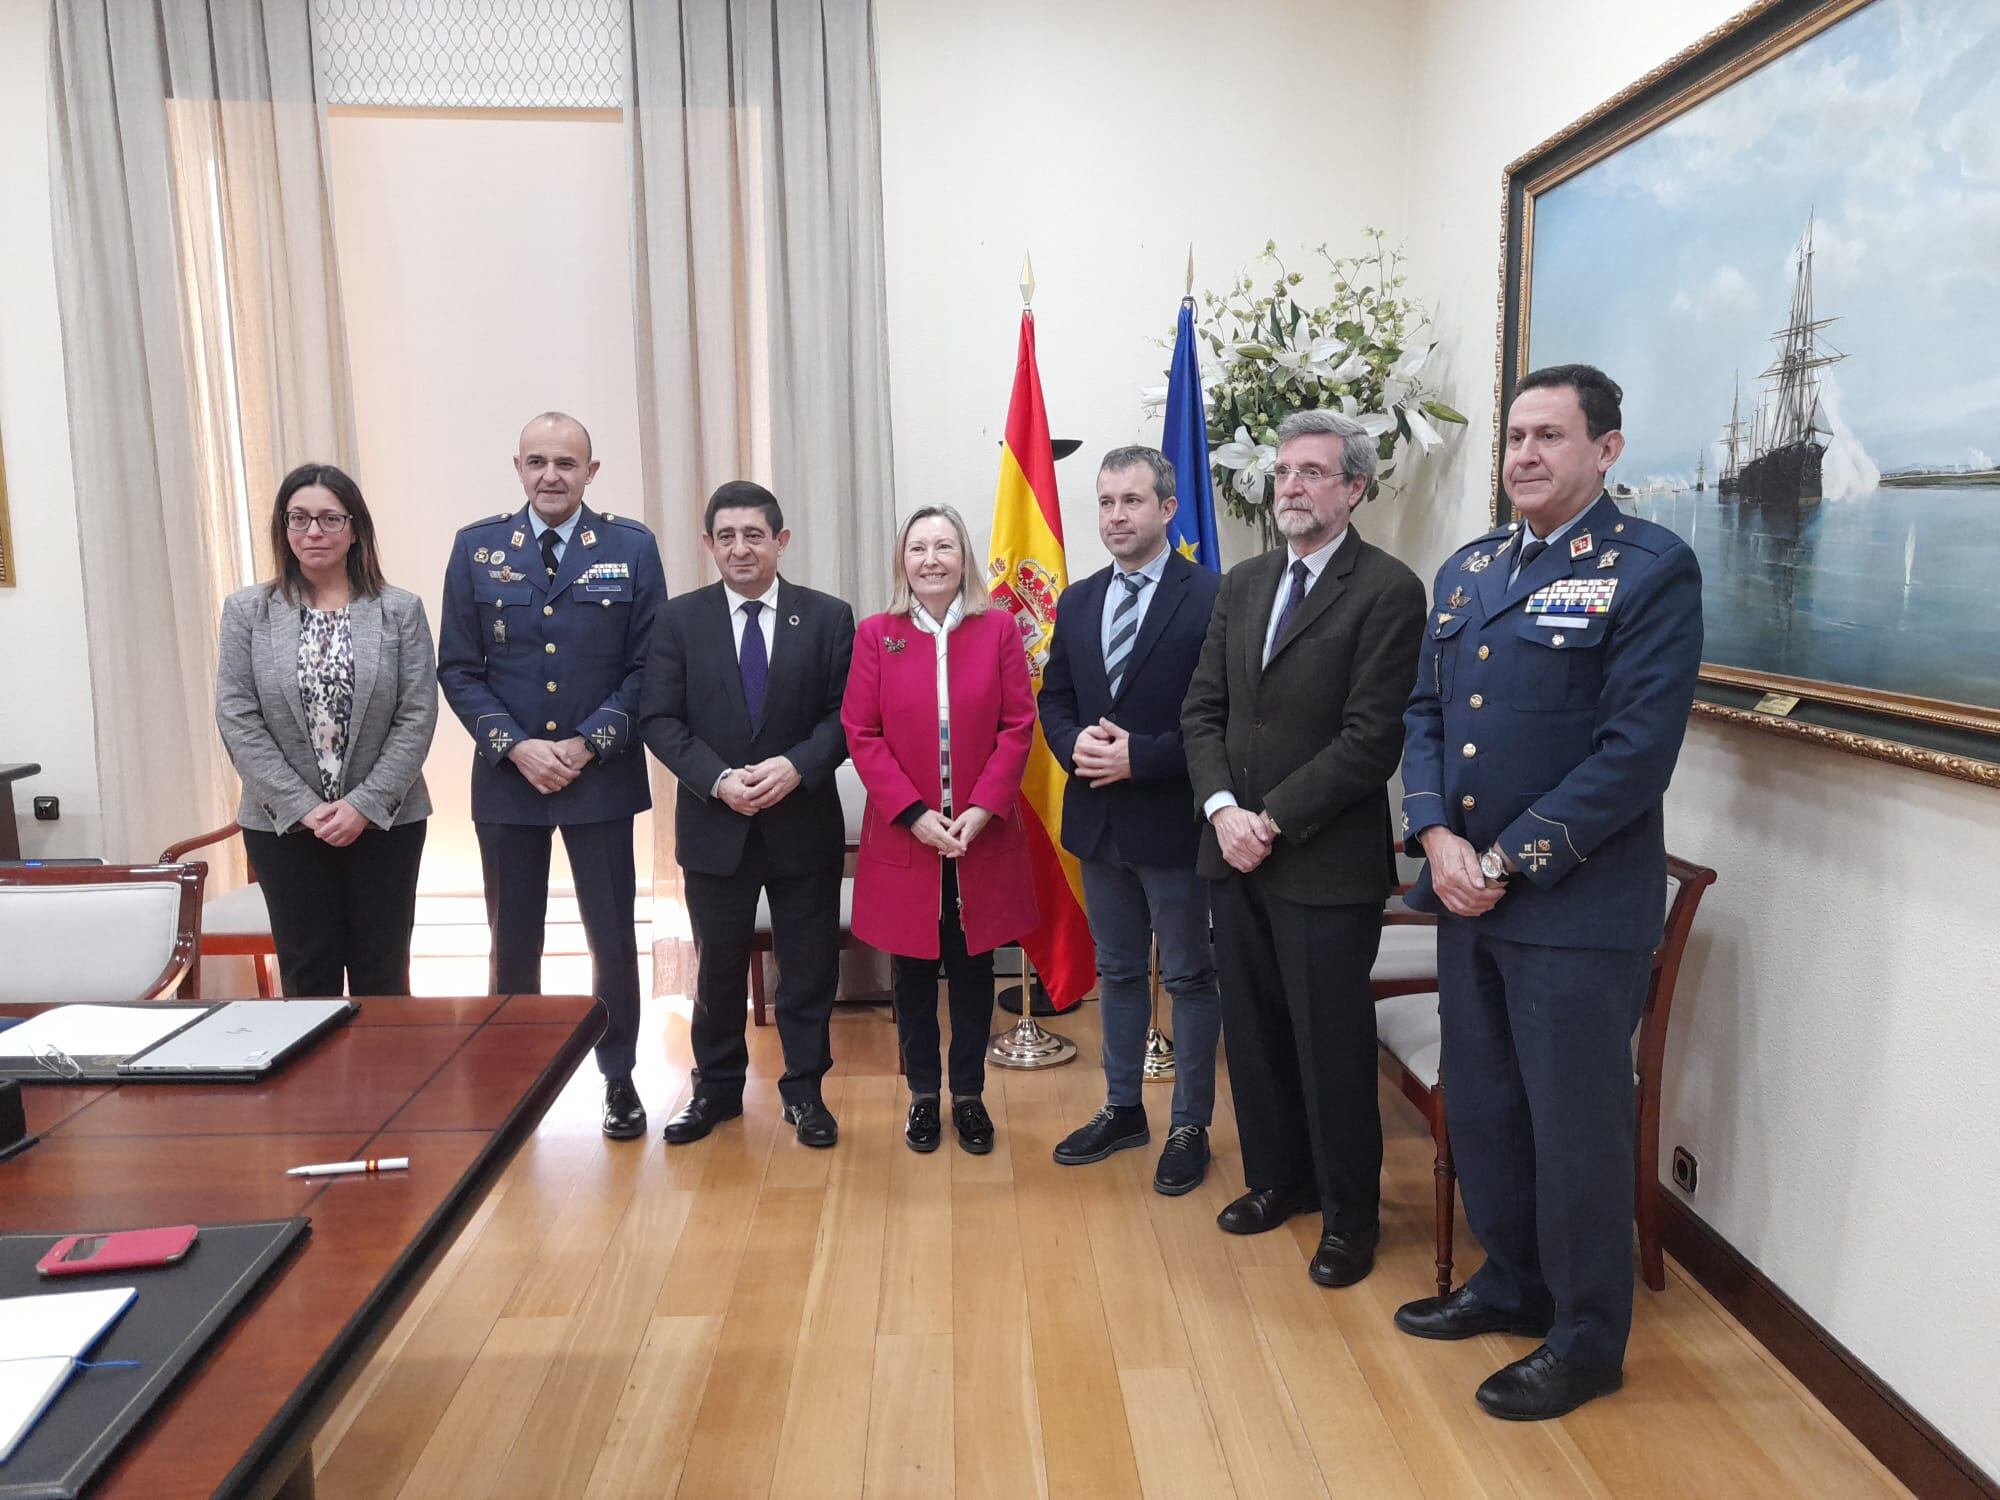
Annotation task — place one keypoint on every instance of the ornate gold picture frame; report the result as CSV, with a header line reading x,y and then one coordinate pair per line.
x,y
1771,242
6,536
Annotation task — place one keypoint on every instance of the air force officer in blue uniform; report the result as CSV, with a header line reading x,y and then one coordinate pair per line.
x,y
547,611
1554,689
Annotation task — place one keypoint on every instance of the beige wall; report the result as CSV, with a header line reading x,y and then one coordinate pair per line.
x,y
486,273
45,712
1835,1062
1104,137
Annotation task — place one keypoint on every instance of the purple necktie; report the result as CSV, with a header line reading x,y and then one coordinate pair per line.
x,y
753,662
1300,573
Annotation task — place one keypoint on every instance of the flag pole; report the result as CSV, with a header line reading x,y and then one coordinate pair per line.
x,y
1159,1061
1026,1044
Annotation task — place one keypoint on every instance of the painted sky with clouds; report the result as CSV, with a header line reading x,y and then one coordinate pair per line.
x,y
1670,264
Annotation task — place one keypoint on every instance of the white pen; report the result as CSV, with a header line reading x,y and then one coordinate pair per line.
x,y
342,1168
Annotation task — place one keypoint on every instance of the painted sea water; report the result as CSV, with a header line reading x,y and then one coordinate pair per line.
x,y
1893,590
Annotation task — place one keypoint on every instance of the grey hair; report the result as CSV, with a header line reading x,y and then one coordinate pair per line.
x,y
1357,455
972,596
1120,459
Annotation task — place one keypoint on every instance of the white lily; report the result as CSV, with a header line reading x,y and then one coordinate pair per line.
x,y
1375,423
1153,400
1420,428
1351,368
1250,461
1402,377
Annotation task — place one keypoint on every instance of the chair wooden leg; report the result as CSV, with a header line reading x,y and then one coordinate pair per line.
x,y
757,989
260,963
1446,1179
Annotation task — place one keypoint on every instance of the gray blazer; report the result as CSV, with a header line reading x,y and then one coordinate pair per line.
x,y
263,723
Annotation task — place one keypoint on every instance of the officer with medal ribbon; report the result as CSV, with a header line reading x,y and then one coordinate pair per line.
x,y
1558,670
547,612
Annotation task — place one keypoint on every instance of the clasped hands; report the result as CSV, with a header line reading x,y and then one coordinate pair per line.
x,y
751,789
336,824
1246,837
952,837
1455,873
1103,754
551,765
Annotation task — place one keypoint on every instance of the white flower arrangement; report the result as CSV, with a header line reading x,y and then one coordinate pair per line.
x,y
1360,352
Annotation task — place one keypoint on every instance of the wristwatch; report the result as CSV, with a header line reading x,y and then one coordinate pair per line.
x,y
1492,866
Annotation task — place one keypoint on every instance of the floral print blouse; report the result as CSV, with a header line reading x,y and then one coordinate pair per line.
x,y
326,689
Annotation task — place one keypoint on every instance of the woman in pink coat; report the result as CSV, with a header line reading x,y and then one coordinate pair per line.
x,y
939,714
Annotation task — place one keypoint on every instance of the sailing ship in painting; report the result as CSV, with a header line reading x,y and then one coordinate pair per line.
x,y
1774,458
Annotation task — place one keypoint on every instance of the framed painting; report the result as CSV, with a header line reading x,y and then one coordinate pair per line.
x,y
1780,243
6,536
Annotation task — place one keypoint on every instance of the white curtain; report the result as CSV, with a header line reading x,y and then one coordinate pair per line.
x,y
759,303
753,129
203,356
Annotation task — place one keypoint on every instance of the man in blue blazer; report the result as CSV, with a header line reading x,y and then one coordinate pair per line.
x,y
547,611
1127,639
1559,665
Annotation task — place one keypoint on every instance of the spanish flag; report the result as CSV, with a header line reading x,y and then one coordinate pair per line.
x,y
1026,574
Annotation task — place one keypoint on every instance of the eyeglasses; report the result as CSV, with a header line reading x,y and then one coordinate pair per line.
x,y
1312,475
333,525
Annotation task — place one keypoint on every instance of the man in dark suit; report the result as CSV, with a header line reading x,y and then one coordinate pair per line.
x,y
1552,697
1126,642
742,703
1292,727
546,615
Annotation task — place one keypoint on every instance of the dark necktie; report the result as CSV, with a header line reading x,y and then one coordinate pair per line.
x,y
752,661
1531,549
1301,574
1124,630
549,543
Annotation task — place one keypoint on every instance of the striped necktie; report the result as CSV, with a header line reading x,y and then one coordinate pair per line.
x,y
1124,630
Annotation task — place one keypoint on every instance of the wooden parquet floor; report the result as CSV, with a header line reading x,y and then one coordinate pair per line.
x,y
745,1317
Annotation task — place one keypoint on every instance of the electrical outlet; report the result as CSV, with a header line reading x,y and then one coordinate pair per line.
x,y
1687,1171
48,809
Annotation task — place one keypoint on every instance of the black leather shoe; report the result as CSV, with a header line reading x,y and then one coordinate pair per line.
x,y
1343,1259
1116,1127
701,1116
814,1122
624,1115
1544,1385
1183,1161
1266,1208
925,1127
1462,1316
974,1125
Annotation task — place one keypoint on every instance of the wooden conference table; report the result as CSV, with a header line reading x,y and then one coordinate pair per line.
x,y
456,1085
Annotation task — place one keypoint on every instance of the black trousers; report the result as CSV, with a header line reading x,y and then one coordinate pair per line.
x,y
1298,1023
340,918
969,988
515,860
805,938
1537,1067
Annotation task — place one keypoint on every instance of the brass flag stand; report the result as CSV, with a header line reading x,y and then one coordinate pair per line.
x,y
1159,1046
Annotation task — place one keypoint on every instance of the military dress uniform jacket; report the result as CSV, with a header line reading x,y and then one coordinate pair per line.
x,y
1547,718
523,656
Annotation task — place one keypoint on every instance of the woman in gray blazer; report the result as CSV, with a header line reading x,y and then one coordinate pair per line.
x,y
326,696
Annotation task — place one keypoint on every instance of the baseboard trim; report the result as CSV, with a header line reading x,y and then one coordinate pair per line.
x,y
1908,1446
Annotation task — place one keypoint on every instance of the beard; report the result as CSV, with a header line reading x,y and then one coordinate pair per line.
x,y
1296,521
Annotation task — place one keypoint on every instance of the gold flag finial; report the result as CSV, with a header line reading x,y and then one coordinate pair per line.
x,y
1190,280
1027,280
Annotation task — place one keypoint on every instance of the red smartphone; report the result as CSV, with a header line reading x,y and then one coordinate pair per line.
x,y
121,1250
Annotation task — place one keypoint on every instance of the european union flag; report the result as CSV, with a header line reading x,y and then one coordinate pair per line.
x,y
1185,442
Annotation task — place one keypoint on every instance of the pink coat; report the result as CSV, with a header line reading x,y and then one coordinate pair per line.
x,y
890,714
